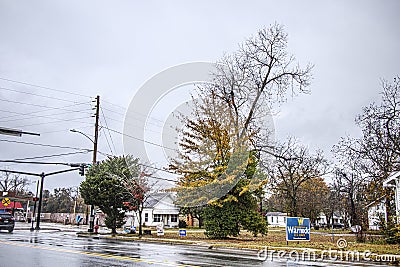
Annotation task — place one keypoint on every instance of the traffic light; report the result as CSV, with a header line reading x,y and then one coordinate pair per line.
x,y
82,170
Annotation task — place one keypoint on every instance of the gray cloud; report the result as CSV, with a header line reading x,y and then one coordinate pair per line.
x,y
112,48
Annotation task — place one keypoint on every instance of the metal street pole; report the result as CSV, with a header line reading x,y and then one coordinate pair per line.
x,y
34,205
96,135
42,175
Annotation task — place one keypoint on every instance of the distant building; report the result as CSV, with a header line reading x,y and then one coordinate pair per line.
x,y
337,220
159,208
393,181
376,212
276,219
13,206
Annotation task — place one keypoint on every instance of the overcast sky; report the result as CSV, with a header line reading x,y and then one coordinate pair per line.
x,y
110,48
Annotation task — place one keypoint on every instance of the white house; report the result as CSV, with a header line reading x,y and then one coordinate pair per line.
x,y
159,208
337,219
393,181
276,219
376,211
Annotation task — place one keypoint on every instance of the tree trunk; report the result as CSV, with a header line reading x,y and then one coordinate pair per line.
x,y
140,221
294,207
200,221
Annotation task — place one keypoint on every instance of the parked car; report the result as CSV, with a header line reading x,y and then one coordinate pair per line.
x,y
7,221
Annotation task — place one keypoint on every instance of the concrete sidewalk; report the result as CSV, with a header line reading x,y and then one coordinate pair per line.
x,y
58,227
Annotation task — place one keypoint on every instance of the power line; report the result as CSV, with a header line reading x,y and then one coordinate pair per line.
x,y
57,121
125,122
142,164
38,95
136,138
152,167
138,113
41,106
34,162
121,107
54,155
37,116
64,130
159,178
105,121
43,87
108,143
45,110
45,145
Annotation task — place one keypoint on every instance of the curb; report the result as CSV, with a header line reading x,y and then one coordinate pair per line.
x,y
215,246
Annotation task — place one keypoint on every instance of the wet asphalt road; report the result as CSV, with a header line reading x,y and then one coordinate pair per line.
x,y
56,248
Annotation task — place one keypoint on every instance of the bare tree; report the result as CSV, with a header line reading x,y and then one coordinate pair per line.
x,y
13,182
378,150
352,181
292,166
257,77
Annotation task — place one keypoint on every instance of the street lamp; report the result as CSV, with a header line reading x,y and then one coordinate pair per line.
x,y
91,216
76,131
15,132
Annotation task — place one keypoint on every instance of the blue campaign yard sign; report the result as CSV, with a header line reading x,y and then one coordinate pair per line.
x,y
182,232
297,229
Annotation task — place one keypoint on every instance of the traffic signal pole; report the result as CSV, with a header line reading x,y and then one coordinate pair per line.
x,y
34,205
42,176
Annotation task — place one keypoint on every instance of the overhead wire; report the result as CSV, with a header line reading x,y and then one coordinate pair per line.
x,y
57,121
139,139
37,116
54,155
156,168
45,145
64,130
145,117
34,162
160,178
108,143
38,95
121,107
43,87
105,121
41,106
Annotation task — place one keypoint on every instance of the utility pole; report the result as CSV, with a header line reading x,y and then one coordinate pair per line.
x,y
96,135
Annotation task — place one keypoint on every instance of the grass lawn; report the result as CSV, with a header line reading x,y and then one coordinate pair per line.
x,y
276,237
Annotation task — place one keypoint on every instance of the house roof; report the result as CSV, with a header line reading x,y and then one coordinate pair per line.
x,y
392,177
154,199
11,206
275,213
376,201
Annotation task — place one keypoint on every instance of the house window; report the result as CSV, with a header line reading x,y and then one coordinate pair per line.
x,y
272,219
157,217
146,217
174,218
